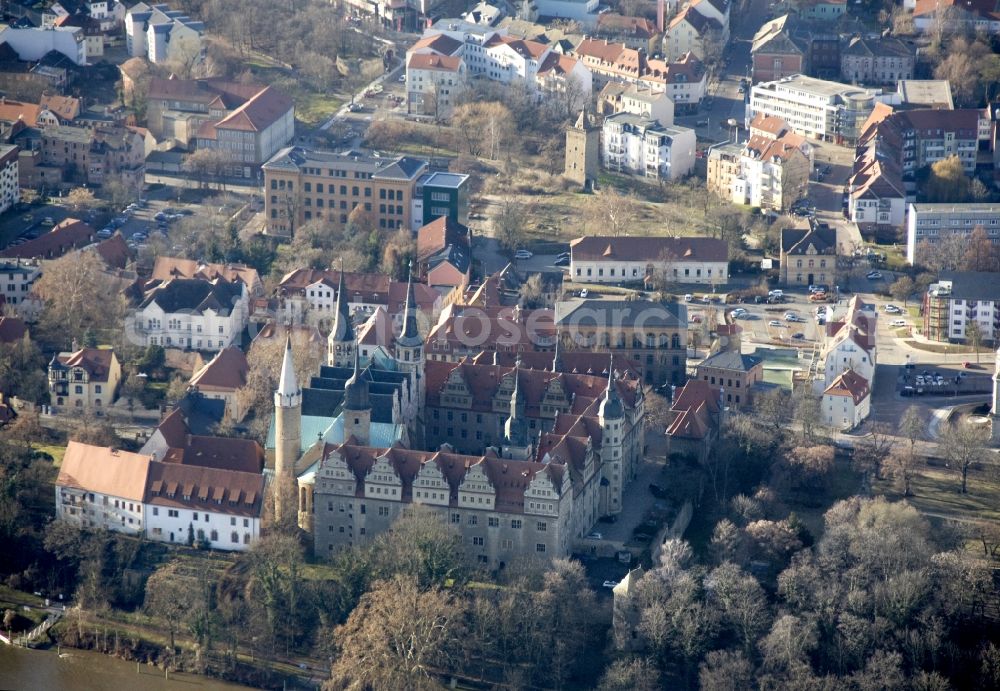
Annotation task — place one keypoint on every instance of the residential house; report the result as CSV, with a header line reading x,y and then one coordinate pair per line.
x,y
16,279
189,313
93,35
161,34
305,184
723,165
642,146
732,374
882,60
167,268
778,52
637,99
100,487
959,299
694,420
440,194
847,401
775,167
851,345
605,259
610,61
433,83
823,10
95,156
702,26
67,235
585,12
809,256
85,379
638,33
223,378
815,108
684,80
653,334
444,254
929,224
971,16
33,44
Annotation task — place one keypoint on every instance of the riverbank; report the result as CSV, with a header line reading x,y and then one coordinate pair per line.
x,y
26,668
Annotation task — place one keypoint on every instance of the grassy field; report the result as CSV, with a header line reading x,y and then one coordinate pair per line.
x,y
939,347
935,493
57,451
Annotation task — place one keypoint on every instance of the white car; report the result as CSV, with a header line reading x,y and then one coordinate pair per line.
x,y
688,297
897,322
775,322
584,293
522,254
892,309
610,584
595,536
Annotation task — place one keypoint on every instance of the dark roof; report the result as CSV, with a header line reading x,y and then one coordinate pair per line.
x,y
12,329
96,362
403,168
227,371
603,247
66,235
797,240
194,295
972,285
731,360
325,393
621,314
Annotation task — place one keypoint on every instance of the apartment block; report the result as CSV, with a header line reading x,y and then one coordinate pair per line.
x,y
302,185
958,300
642,146
815,108
931,223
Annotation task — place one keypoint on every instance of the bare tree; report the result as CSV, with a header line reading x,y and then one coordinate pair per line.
x,y
963,443
614,212
974,336
871,452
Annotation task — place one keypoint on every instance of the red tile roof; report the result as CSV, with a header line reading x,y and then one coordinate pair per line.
x,y
67,235
849,384
264,109
604,248
439,234
167,268
107,471
225,372
114,252
205,488
96,362
444,63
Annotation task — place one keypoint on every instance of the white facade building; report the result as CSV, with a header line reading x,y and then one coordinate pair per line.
x,y
814,108
191,314
16,278
641,146
846,402
932,223
160,34
958,300
32,45
603,259
100,487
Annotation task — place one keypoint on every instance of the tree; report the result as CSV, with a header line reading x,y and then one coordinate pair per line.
x,y
789,643
509,222
963,444
485,129
614,212
959,69
806,411
398,637
264,360
902,288
974,336
532,292
725,544
771,410
169,597
725,670
420,545
947,181
635,674
741,602
80,297
22,370
208,165
981,254
871,452
81,199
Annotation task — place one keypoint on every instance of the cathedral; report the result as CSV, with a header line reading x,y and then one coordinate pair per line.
x,y
522,459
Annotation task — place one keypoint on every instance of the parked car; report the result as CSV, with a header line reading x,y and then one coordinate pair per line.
x,y
688,297
892,309
594,536
610,584
561,261
584,293
105,233
522,254
799,336
897,322
874,275
776,323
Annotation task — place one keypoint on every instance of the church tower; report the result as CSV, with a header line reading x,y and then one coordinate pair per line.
x,y
582,150
357,405
516,442
409,348
341,344
611,414
287,437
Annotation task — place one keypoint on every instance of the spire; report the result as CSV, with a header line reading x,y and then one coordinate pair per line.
x,y
557,358
516,427
611,407
409,335
343,329
356,388
288,392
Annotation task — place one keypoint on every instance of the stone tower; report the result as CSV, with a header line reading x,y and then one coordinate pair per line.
x,y
611,414
287,437
516,441
583,141
357,405
409,349
341,344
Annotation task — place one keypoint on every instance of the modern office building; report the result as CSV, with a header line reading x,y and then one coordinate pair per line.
x,y
931,223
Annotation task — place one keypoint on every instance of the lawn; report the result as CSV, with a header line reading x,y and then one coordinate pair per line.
x,y
938,347
57,451
935,493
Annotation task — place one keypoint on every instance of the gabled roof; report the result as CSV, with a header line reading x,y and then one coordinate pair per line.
x,y
66,235
608,248
616,24
849,384
797,241
264,109
209,489
439,234
114,251
166,268
731,360
104,470
96,362
442,44
621,314
194,295
441,63
12,329
227,371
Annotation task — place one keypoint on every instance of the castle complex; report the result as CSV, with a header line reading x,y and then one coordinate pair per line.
x,y
522,459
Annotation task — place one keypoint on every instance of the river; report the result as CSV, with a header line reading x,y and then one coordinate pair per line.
x,y
22,669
